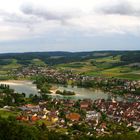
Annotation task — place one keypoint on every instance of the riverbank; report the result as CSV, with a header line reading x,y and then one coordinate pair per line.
x,y
22,86
14,82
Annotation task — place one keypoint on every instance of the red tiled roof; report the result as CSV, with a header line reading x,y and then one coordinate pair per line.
x,y
73,116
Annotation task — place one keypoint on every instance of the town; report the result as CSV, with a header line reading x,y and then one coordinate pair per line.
x,y
96,117
88,117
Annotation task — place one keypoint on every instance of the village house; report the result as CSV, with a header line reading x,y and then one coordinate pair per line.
x,y
84,105
73,116
30,107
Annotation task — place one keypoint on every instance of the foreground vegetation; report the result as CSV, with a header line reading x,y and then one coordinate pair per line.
x,y
10,129
65,92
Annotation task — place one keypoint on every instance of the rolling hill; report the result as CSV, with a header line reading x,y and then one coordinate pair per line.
x,y
121,64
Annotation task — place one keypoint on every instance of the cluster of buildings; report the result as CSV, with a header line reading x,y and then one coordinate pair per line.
x,y
128,112
51,73
66,113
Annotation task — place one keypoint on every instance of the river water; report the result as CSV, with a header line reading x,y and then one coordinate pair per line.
x,y
28,88
22,86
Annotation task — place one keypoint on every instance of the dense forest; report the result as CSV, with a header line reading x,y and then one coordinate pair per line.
x,y
131,57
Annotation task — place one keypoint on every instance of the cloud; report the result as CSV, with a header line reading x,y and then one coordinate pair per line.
x,y
48,14
17,19
120,8
38,20
67,22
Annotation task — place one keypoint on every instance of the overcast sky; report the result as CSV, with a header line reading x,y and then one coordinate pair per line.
x,y
69,25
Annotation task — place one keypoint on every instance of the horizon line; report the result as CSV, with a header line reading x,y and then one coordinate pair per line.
x,y
68,51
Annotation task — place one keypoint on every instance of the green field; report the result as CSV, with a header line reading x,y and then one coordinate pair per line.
x,y
103,67
5,70
38,62
6,113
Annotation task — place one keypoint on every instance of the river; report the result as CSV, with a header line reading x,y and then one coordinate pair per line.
x,y
22,86
28,88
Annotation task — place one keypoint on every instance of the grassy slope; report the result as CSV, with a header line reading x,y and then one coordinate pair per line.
x,y
6,113
38,62
6,69
103,67
12,65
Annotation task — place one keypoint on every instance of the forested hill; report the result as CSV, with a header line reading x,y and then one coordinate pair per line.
x,y
131,56
53,58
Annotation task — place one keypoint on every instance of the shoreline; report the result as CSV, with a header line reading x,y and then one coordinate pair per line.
x,y
14,82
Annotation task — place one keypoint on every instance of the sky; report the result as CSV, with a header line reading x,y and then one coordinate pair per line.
x,y
69,25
